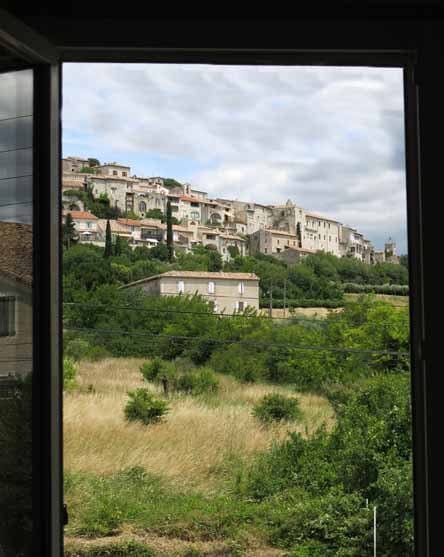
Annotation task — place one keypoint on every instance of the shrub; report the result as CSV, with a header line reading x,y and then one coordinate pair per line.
x,y
198,383
277,408
69,374
145,407
80,349
153,369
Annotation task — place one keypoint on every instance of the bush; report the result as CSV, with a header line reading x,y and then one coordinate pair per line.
x,y
153,369
198,383
69,374
145,407
277,408
80,349
391,289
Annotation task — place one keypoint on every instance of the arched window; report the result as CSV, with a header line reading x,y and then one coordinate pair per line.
x,y
142,207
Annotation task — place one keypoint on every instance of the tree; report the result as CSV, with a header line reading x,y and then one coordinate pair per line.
x,y
69,231
118,246
93,162
299,234
108,241
169,224
233,251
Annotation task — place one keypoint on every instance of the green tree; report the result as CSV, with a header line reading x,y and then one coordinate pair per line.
x,y
93,162
169,225
69,231
155,214
108,241
118,246
233,251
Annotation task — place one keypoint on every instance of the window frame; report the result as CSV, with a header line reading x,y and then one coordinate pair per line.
x,y
350,41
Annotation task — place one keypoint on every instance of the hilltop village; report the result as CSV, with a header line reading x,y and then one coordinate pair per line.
x,y
287,231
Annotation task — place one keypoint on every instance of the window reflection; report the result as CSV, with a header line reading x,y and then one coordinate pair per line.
x,y
16,99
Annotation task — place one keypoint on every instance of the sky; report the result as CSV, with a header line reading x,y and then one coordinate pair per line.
x,y
330,139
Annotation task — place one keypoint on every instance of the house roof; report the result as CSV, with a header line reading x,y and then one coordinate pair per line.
x,y
81,215
129,222
72,184
197,274
190,198
320,217
16,252
115,226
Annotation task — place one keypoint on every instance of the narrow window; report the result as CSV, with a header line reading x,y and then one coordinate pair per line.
x,y
180,286
7,316
211,287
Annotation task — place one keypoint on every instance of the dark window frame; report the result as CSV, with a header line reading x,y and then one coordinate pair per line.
x,y
399,43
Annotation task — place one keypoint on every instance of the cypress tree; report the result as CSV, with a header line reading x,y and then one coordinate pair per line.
x,y
69,230
108,241
169,224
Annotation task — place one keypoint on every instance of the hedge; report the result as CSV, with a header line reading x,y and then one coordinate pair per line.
x,y
393,289
301,303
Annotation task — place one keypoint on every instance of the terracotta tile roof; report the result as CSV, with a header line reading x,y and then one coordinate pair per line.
x,y
81,215
151,222
198,274
16,251
190,198
115,226
129,222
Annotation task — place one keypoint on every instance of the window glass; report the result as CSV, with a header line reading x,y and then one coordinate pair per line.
x,y
16,123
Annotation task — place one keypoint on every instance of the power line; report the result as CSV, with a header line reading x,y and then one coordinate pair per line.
x,y
187,312
240,342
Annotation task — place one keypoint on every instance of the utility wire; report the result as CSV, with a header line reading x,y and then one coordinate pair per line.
x,y
135,334
186,312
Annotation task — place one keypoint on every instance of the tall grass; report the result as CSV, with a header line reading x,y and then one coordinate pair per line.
x,y
200,444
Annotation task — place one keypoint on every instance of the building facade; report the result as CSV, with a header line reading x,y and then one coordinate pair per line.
x,y
228,292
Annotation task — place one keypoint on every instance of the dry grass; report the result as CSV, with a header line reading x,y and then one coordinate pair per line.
x,y
396,301
191,447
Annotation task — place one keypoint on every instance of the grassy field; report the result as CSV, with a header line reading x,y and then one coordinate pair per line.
x,y
167,487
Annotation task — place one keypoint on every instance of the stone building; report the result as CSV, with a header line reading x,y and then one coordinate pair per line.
x,y
16,299
321,234
229,292
270,241
113,169
252,216
73,164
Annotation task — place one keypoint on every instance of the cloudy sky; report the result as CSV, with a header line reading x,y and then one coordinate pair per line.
x,y
330,139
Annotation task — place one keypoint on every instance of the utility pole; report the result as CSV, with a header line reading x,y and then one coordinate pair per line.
x,y
270,311
374,531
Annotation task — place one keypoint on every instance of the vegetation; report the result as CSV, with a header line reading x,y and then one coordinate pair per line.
x,y
98,206
276,408
144,407
69,374
68,231
333,392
